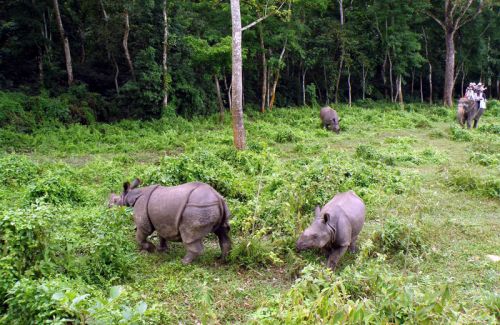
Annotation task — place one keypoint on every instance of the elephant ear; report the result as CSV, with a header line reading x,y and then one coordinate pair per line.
x,y
132,197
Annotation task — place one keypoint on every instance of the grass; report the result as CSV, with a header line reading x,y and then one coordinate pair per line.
x,y
432,191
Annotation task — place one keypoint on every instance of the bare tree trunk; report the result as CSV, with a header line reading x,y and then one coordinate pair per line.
x,y
326,86
498,87
64,38
341,64
384,78
463,81
164,59
219,99
349,85
421,89
237,78
264,72
363,75
390,77
117,72
304,87
412,80
277,77
400,89
125,44
430,83
449,73
40,69
228,89
82,45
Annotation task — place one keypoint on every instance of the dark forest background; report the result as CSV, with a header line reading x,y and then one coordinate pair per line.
x,y
303,53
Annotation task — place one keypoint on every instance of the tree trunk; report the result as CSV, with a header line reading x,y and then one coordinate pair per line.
x,y
326,86
384,78
498,87
40,69
264,72
64,39
125,44
304,87
363,75
164,58
277,77
117,72
421,89
237,78
341,64
449,73
349,85
430,83
82,45
400,89
219,99
228,89
390,77
463,81
412,80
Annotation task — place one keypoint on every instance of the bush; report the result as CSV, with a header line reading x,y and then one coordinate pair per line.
x,y
55,188
367,293
459,134
253,252
464,181
399,237
17,170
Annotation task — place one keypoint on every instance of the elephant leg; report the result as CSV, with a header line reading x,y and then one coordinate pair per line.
x,y
194,249
163,245
224,241
142,240
475,123
334,256
352,247
469,120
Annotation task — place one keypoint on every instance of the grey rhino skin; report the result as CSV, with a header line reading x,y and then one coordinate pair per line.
x,y
468,110
186,213
329,119
336,227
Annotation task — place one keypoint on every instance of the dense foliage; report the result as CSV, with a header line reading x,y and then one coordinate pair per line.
x,y
331,50
432,192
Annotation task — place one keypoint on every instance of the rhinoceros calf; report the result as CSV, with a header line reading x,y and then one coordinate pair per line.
x,y
468,110
186,213
336,227
329,119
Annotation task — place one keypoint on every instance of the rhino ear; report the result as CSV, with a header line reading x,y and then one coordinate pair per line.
x,y
126,187
317,211
326,217
135,183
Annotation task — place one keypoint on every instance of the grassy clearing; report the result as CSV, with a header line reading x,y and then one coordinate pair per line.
x,y
432,191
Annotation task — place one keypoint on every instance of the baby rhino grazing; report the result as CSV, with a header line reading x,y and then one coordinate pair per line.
x,y
335,227
186,213
329,119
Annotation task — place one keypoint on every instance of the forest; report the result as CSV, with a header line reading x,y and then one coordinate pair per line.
x,y
97,93
143,59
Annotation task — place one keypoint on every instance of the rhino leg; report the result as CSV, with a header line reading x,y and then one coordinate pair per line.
x,y
194,249
334,256
163,245
224,241
142,240
352,246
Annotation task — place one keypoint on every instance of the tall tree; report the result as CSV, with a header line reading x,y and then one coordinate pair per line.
x,y
239,136
164,56
64,39
455,14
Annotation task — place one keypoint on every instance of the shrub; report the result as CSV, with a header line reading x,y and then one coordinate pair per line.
x,y
55,188
17,170
366,293
463,180
399,237
459,134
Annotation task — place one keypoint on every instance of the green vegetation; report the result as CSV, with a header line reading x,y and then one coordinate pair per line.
x,y
432,191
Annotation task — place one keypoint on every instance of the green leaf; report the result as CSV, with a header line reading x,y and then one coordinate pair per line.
x,y
141,307
115,291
